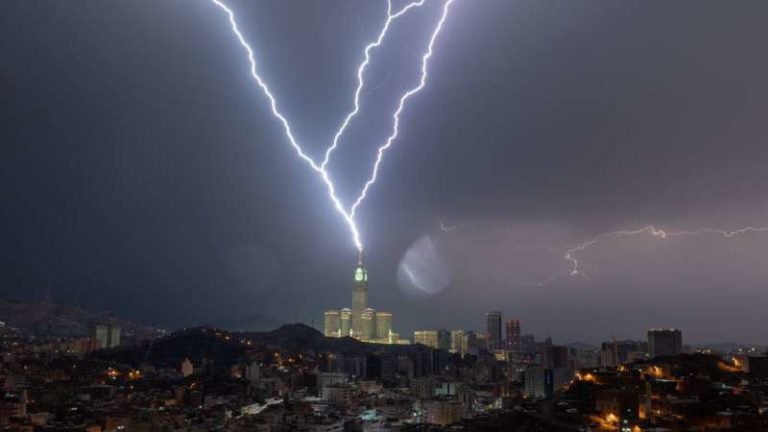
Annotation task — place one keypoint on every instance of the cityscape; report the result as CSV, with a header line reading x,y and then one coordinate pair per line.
x,y
357,374
383,216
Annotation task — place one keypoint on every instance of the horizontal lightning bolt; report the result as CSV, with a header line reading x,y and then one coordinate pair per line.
x,y
448,228
570,252
396,116
320,169
649,230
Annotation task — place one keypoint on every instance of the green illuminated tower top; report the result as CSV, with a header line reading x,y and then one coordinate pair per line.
x,y
359,295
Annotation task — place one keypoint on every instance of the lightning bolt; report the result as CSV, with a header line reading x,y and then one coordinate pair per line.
x,y
648,230
320,168
396,115
361,69
448,228
570,252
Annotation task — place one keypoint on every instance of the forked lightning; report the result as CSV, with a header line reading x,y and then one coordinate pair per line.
x,y
348,214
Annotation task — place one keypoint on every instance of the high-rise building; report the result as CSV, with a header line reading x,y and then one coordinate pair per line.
x,y
383,325
368,326
443,339
558,355
665,342
493,329
542,382
426,337
614,353
345,321
514,338
528,343
458,344
331,323
472,342
105,335
359,299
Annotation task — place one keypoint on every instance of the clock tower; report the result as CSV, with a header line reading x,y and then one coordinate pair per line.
x,y
359,297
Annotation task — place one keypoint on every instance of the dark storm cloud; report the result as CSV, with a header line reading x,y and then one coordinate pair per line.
x,y
142,172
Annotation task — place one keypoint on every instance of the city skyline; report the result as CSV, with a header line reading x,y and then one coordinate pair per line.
x,y
391,215
145,174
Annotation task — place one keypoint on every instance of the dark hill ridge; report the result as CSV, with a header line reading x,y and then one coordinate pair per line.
x,y
49,319
225,349
302,337
251,323
196,344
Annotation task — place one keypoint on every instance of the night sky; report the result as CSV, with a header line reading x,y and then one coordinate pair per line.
x,y
142,172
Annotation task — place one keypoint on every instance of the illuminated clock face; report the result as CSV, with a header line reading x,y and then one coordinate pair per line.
x,y
359,276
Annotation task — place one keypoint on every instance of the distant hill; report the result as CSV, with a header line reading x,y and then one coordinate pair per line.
x,y
49,319
251,323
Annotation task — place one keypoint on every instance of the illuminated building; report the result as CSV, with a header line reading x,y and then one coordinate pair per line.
x,y
345,321
514,340
367,324
359,299
361,322
493,329
665,342
331,323
458,343
426,337
383,325
464,341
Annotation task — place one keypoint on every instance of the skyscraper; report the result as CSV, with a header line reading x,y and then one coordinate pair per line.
x,y
514,340
368,324
331,323
383,325
665,342
493,329
345,321
458,343
359,298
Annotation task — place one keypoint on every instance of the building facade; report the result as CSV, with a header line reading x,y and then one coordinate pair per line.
x,y
514,335
665,342
493,329
331,323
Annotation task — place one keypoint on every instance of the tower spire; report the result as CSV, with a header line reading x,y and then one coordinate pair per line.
x,y
359,257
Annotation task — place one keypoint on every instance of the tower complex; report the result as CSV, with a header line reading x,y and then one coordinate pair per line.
x,y
361,321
